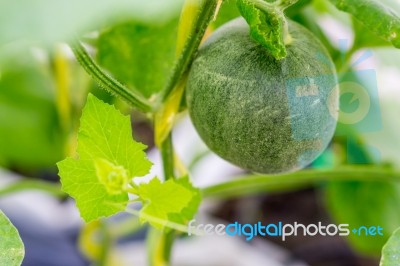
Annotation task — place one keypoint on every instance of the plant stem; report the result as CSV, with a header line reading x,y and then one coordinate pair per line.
x,y
256,184
205,15
167,155
286,3
267,6
106,244
61,73
161,242
159,245
132,97
26,184
125,227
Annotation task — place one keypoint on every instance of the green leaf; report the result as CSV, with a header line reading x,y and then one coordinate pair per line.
x,y
139,54
267,26
377,17
187,213
49,21
107,159
365,204
174,201
12,250
366,38
391,251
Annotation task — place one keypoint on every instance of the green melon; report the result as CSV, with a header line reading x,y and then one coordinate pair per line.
x,y
261,114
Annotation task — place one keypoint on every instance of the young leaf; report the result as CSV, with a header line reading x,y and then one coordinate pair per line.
x,y
375,16
174,201
391,251
268,24
107,159
11,246
190,210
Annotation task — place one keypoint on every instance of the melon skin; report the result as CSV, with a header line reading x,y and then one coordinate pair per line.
x,y
261,114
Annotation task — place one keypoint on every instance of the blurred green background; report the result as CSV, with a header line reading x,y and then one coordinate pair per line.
x,y
43,89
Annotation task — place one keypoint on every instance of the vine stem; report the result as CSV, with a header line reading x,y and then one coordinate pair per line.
x,y
167,155
205,16
160,242
132,97
33,184
258,184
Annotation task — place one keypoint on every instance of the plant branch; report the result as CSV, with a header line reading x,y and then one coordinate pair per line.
x,y
256,184
106,243
205,15
162,242
25,184
286,3
167,155
159,244
266,6
132,97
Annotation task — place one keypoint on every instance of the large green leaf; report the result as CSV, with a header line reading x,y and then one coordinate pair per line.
x,y
101,175
366,204
54,20
139,54
363,203
107,160
379,18
12,250
391,251
30,134
367,38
